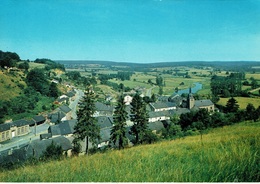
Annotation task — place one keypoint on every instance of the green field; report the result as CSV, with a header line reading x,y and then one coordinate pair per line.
x,y
36,65
225,154
242,101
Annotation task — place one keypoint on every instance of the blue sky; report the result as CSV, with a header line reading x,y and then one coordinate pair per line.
x,y
132,30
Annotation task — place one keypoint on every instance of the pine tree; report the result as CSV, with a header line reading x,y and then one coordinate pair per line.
x,y
118,132
140,118
87,127
232,105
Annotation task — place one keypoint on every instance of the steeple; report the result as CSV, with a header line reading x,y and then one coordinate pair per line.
x,y
190,100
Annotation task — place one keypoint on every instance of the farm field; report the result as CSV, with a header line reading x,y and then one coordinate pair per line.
x,y
242,101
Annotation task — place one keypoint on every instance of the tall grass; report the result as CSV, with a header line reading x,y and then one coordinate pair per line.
x,y
225,155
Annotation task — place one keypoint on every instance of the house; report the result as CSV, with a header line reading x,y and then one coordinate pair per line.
x,y
67,111
205,104
39,119
45,136
20,127
103,109
5,132
37,147
128,99
56,117
162,106
158,116
105,124
14,129
71,95
177,99
156,127
105,137
199,104
65,128
13,155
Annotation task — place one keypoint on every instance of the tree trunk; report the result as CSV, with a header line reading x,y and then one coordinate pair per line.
x,y
87,145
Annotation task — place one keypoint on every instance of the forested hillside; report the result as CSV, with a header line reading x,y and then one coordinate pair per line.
x,y
24,90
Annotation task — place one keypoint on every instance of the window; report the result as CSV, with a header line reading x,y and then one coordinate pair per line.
x,y
18,131
22,130
6,134
3,136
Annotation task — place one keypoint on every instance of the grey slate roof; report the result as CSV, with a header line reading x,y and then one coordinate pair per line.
x,y
20,123
158,114
36,148
63,99
203,103
71,93
104,121
105,135
56,117
65,109
103,107
160,105
180,111
63,128
5,127
158,125
45,136
39,119
14,155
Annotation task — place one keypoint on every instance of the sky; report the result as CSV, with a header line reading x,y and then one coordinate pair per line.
x,y
139,31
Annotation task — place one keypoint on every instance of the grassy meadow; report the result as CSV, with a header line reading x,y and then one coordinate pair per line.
x,y
242,101
9,84
225,154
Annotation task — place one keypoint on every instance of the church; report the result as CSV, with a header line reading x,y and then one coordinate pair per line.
x,y
193,104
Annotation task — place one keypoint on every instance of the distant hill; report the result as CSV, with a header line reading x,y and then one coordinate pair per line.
x,y
227,65
225,154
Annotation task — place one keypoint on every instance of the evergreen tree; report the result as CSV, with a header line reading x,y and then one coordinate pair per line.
x,y
250,111
118,132
232,105
140,118
87,127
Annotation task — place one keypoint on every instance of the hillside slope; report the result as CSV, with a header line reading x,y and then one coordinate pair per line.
x,y
225,154
11,84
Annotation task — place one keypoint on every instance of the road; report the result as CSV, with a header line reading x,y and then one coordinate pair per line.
x,y
22,140
253,90
73,104
40,129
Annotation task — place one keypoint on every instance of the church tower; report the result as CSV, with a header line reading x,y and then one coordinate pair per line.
x,y
190,100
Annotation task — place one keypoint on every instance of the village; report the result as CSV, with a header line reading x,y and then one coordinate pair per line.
x,y
24,139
